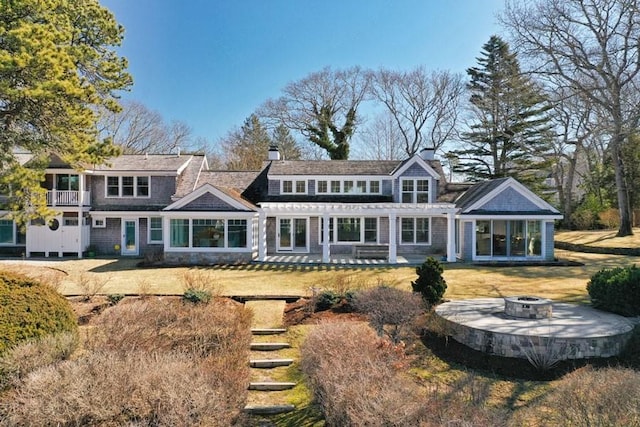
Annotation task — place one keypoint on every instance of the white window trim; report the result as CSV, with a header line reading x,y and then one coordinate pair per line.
x,y
135,187
149,240
355,180
225,248
414,243
14,235
414,193
294,186
94,222
333,230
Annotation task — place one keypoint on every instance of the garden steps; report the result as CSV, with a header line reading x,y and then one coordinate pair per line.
x,y
269,346
267,389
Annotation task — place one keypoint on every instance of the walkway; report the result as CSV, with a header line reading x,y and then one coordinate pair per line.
x,y
270,361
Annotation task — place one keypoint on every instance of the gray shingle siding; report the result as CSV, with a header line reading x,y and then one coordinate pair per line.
x,y
509,200
549,232
208,202
105,239
161,188
467,250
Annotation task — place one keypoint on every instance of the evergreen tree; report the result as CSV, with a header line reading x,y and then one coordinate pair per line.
x,y
286,143
58,67
246,148
510,135
430,283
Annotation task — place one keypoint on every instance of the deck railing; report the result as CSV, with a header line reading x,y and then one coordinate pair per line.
x,y
68,198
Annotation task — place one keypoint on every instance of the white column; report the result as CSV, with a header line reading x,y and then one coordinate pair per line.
x,y
325,239
393,255
451,237
81,190
262,236
80,233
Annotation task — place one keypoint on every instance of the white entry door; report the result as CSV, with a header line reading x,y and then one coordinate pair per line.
x,y
129,244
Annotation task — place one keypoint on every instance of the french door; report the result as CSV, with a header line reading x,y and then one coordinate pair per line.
x,y
292,234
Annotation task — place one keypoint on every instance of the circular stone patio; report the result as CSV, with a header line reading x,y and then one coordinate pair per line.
x,y
572,331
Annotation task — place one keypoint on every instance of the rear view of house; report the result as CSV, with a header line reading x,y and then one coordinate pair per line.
x,y
175,208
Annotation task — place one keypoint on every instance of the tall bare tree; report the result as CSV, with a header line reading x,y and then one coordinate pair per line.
x,y
322,107
424,105
380,139
591,47
138,130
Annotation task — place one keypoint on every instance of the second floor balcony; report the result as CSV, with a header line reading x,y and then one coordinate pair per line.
x,y
68,198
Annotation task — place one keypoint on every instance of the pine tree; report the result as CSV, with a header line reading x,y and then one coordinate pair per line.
x,y
510,135
247,147
58,67
286,143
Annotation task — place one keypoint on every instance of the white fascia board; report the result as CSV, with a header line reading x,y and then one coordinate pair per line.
x,y
207,214
422,163
465,217
524,191
207,188
184,165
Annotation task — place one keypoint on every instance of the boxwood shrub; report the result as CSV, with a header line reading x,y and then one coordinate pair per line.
x,y
616,290
30,309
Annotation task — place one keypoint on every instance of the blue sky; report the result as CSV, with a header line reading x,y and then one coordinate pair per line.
x,y
211,63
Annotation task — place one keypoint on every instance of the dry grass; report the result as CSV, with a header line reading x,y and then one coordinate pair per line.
x,y
600,238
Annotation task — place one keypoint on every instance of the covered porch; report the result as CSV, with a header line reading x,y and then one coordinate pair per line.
x,y
329,233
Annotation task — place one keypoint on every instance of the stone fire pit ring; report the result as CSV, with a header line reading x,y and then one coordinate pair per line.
x,y
528,307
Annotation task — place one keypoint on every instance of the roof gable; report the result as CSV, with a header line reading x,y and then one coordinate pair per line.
x,y
210,198
505,195
413,163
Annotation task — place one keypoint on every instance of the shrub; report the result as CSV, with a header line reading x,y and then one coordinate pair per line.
x,y
430,282
199,285
114,298
616,290
326,300
92,284
26,357
389,306
589,397
197,295
31,310
148,362
344,363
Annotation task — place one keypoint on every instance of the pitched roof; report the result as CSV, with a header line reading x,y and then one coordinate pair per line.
x,y
333,167
235,180
477,191
188,180
145,163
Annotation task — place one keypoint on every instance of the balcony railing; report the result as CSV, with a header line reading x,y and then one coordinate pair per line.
x,y
68,198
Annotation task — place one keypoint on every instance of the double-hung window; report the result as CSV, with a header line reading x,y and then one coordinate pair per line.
x,y
127,186
414,231
351,230
414,190
155,229
293,186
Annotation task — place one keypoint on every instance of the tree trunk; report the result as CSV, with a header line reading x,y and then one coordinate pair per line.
x,y
624,208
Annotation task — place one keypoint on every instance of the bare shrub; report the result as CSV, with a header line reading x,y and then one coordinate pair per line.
x,y
92,284
143,287
390,307
105,388
200,283
344,283
170,325
590,397
354,377
149,362
24,358
52,278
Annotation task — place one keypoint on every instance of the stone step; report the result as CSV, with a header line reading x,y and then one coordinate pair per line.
x,y
271,386
270,363
268,331
268,409
269,346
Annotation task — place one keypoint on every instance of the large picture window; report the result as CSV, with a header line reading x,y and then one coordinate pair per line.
x,y
508,238
351,230
127,186
208,233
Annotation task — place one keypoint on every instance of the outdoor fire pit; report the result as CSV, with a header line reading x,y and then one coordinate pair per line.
x,y
528,307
